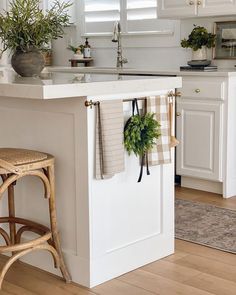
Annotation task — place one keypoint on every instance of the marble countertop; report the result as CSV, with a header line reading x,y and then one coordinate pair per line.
x,y
221,72
52,85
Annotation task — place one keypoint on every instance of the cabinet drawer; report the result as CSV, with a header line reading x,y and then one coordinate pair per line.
x,y
206,88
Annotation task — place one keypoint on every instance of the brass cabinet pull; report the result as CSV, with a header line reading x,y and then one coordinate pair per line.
x,y
191,2
199,2
197,90
178,114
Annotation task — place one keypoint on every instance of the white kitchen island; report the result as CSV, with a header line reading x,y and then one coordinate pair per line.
x,y
107,227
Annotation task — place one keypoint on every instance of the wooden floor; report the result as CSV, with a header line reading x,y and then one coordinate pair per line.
x,y
192,270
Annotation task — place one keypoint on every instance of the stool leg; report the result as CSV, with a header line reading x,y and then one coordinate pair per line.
x,y
53,220
11,209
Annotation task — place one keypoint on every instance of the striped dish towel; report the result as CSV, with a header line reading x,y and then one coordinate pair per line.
x,y
161,152
109,139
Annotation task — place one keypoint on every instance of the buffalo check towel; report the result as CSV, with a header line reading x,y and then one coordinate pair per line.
x,y
161,152
109,139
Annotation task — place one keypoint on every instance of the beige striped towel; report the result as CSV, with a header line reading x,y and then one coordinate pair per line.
x,y
161,153
109,139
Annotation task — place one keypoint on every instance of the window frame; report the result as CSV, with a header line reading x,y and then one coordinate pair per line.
x,y
124,24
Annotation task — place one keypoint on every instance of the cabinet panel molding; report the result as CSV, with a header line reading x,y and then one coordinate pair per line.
x,y
199,131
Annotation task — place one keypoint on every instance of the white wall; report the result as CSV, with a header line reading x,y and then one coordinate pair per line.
x,y
165,54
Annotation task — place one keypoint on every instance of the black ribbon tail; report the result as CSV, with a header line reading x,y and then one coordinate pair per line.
x,y
141,169
147,165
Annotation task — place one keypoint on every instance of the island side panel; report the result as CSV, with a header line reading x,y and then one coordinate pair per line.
x,y
58,127
131,224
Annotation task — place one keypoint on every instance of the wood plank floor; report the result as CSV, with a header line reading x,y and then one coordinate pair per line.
x,y
192,270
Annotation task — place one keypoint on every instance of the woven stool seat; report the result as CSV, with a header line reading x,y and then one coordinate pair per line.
x,y
14,165
21,156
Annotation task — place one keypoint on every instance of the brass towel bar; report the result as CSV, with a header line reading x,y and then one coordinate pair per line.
x,y
171,94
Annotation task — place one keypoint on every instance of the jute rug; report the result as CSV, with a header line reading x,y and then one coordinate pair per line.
x,y
205,224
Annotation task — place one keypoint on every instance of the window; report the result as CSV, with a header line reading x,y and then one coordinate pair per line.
x,y
137,17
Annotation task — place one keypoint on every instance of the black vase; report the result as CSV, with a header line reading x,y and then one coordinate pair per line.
x,y
28,63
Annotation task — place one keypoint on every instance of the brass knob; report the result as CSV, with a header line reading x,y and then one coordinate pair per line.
x,y
191,2
178,114
199,2
197,90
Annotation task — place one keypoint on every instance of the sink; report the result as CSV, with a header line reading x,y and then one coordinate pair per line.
x,y
108,70
87,69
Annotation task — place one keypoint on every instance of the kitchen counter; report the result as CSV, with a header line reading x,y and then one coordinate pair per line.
x,y
227,72
108,227
61,85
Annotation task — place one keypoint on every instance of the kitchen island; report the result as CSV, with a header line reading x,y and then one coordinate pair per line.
x,y
107,227
205,157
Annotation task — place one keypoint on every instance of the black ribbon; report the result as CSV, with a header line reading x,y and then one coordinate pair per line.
x,y
145,155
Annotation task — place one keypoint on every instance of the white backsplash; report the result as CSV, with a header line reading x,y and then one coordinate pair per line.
x,y
160,57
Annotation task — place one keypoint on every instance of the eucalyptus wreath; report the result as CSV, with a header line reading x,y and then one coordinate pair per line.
x,y
140,134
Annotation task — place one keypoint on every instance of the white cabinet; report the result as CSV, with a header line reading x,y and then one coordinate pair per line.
x,y
177,8
199,129
191,8
217,7
205,123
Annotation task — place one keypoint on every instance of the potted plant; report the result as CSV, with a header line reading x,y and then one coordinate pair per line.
x,y
78,51
199,40
25,29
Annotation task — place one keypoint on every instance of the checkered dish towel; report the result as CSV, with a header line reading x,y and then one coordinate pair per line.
x,y
161,152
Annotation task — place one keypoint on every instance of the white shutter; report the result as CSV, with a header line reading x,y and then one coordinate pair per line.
x,y
136,17
142,18
100,15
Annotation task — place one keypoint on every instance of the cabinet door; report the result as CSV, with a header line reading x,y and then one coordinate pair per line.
x,y
177,8
216,7
199,129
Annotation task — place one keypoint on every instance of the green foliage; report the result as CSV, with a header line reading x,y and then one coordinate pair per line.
x,y
140,134
199,37
25,25
75,49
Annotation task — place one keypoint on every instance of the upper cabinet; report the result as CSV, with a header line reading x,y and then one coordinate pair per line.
x,y
191,8
216,7
177,8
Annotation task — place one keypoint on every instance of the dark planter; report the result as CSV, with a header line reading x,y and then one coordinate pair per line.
x,y
29,63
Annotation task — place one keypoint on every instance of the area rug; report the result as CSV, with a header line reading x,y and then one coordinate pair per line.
x,y
205,224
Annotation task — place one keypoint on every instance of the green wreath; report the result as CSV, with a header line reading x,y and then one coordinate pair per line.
x,y
140,134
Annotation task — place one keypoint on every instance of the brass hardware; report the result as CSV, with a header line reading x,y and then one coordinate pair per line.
x,y
197,90
178,94
199,2
89,104
178,114
191,2
172,94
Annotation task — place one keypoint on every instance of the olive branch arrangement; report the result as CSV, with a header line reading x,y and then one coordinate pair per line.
x,y
26,25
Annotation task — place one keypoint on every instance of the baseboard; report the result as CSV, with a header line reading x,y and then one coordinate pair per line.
x,y
201,184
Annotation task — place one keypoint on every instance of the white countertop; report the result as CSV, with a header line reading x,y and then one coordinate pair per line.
x,y
64,85
221,72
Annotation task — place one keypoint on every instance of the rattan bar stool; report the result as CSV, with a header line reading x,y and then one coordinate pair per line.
x,y
15,164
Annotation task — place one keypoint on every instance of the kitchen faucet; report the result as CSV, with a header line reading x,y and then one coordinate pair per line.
x,y
117,38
